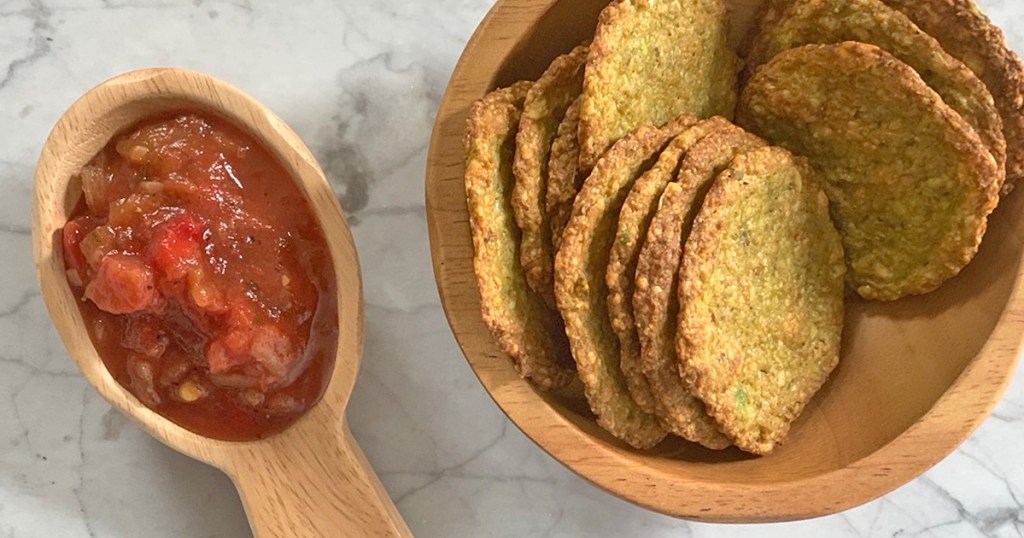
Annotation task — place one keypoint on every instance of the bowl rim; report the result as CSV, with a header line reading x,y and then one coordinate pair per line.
x,y
953,417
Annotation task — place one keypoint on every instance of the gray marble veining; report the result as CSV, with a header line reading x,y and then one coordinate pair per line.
x,y
359,81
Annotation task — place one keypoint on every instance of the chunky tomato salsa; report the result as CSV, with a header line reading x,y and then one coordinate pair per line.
x,y
205,280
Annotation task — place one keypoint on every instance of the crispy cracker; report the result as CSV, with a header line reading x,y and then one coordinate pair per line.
x,y
761,297
650,62
563,180
910,182
523,326
966,33
544,109
656,302
634,218
580,282
871,21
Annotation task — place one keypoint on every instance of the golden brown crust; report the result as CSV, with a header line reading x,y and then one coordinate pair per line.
x,y
761,297
563,181
967,34
634,218
871,21
656,303
651,61
580,287
523,326
910,182
544,109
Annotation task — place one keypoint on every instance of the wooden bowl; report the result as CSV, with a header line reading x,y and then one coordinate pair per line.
x,y
915,378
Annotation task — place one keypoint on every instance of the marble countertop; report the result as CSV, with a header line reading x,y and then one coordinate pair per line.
x,y
359,80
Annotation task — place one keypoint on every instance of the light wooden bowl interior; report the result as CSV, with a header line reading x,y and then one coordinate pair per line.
x,y
308,480
916,377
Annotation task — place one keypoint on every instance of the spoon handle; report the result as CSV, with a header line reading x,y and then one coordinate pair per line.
x,y
327,490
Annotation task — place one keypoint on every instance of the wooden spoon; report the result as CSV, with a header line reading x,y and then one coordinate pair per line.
x,y
309,480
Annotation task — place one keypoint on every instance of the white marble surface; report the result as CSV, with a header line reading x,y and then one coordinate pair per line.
x,y
359,81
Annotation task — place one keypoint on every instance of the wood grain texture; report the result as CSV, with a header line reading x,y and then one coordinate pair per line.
x,y
916,377
310,480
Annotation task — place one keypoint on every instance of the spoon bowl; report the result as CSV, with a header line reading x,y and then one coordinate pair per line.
x,y
308,480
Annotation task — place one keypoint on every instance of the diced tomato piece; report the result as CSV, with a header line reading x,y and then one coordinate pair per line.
x,y
228,352
263,353
273,353
71,239
241,315
122,285
175,247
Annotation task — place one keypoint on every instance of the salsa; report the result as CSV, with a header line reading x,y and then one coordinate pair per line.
x,y
205,281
